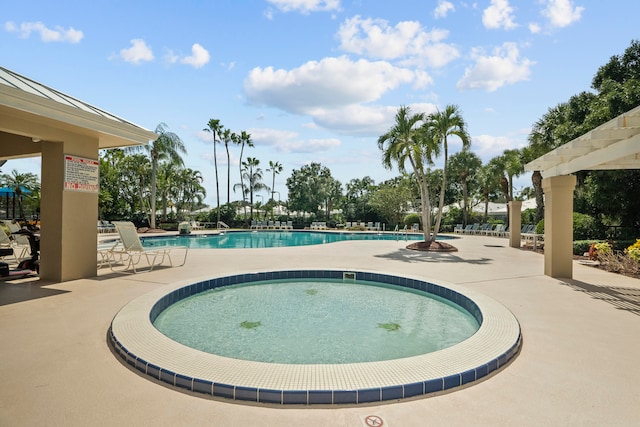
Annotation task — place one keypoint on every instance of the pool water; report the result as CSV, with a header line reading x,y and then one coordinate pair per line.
x,y
268,239
316,321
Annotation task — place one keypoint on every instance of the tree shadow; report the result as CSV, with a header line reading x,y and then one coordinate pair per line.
x,y
627,299
409,256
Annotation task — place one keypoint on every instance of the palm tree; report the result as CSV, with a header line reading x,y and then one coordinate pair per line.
x,y
253,175
407,140
227,136
168,146
214,127
21,181
275,168
443,124
465,165
243,139
168,173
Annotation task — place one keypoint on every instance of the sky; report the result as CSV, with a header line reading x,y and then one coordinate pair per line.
x,y
315,80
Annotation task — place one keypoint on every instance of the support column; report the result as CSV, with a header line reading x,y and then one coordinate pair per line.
x,y
558,225
515,223
68,241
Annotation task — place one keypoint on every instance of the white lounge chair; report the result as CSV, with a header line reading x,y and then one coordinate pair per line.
x,y
19,242
131,250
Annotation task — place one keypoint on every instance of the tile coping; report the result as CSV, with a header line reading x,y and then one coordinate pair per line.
x,y
141,345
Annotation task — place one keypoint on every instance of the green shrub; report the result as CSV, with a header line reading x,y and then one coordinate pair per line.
x,y
411,218
584,226
580,247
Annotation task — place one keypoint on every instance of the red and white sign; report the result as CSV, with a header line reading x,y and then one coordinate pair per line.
x,y
81,174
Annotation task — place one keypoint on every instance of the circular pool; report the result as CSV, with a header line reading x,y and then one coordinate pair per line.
x,y
140,344
316,321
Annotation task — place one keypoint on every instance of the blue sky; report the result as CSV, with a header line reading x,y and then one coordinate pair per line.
x,y
315,80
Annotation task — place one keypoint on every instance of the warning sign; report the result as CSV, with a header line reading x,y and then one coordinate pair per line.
x,y
81,174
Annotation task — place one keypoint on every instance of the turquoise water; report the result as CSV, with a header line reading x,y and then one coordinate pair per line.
x,y
309,321
268,239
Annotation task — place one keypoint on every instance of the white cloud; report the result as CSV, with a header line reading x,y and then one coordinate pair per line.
x,y
443,8
562,13
364,120
58,34
502,67
290,142
198,58
534,28
489,146
304,6
407,41
138,52
499,15
330,83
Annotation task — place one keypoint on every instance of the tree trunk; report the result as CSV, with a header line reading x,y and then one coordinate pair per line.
x,y
536,180
465,196
504,184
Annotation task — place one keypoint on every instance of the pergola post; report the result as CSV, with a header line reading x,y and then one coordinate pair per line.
x,y
558,225
515,223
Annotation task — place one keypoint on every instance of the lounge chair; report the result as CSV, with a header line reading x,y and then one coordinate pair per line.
x,y
498,231
195,225
458,229
19,242
415,227
131,250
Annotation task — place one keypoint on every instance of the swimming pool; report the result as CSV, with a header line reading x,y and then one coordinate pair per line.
x,y
141,345
307,321
270,239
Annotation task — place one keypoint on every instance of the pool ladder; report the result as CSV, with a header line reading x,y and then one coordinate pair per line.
x,y
398,233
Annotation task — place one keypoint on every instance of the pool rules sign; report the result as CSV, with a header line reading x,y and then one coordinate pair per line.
x,y
81,174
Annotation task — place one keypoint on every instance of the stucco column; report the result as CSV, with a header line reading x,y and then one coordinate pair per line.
x,y
515,223
558,225
68,241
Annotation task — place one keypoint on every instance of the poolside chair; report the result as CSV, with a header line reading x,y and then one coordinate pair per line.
x,y
376,227
195,225
457,229
19,242
415,227
131,250
498,231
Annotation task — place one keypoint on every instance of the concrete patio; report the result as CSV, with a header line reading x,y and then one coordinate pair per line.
x,y
578,364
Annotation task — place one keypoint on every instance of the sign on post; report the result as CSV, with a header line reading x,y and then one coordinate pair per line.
x,y
81,174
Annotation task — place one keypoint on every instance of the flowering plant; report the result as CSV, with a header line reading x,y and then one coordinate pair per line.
x,y
634,251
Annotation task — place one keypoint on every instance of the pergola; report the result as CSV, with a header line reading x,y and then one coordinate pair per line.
x,y
612,145
36,120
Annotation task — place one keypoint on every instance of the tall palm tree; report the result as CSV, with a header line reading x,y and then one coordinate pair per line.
x,y
19,182
408,140
227,136
168,146
214,127
464,165
442,125
243,139
253,176
275,168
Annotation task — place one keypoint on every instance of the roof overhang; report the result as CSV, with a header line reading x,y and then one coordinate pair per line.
x,y
24,101
612,145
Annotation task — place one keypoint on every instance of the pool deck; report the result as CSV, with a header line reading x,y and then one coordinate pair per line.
x,y
578,364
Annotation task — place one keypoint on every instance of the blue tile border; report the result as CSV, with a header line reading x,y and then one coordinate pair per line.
x,y
312,397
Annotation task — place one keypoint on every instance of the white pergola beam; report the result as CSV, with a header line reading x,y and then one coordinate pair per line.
x,y
610,155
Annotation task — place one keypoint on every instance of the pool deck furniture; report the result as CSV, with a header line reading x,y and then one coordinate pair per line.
x,y
131,251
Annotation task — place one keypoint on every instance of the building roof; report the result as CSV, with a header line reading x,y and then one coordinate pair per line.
x,y
612,145
27,96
